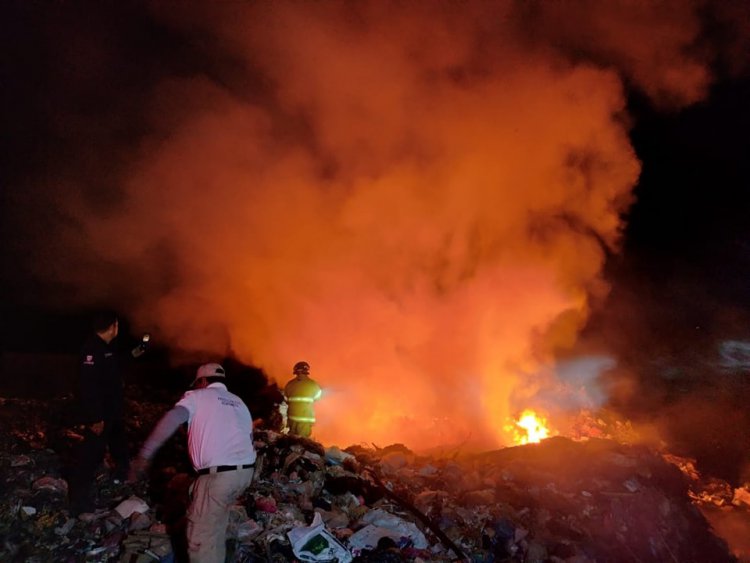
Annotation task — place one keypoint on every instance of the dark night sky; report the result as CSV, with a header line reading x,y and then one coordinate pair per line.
x,y
75,77
686,256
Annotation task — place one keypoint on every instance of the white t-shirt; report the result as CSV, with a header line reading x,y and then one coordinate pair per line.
x,y
220,428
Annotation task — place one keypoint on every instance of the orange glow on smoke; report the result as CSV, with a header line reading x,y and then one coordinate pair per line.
x,y
529,428
416,201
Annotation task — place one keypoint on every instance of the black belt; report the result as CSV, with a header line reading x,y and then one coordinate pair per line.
x,y
222,468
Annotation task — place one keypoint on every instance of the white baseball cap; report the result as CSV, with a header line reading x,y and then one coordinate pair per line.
x,y
209,370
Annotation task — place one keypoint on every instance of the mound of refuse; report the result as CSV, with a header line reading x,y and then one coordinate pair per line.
x,y
559,500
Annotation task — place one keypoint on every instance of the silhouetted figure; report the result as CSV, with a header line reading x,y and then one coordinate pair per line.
x,y
301,392
101,408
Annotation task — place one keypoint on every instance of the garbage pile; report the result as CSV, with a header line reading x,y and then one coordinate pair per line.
x,y
557,501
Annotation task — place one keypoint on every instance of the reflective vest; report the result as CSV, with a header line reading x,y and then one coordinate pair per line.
x,y
300,395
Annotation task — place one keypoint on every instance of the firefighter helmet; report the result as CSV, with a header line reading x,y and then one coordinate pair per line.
x,y
301,368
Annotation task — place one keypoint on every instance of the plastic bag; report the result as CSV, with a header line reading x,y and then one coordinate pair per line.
x,y
130,505
381,524
315,543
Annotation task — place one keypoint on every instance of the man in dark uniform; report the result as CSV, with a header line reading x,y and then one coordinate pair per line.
x,y
101,403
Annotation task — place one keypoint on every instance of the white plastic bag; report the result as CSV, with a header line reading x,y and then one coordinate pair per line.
x,y
381,524
315,543
130,505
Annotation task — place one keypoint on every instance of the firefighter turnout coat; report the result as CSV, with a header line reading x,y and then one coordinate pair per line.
x,y
301,393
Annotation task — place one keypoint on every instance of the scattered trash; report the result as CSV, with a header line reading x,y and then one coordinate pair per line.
x,y
145,546
384,524
19,460
741,496
65,529
315,543
51,484
560,500
133,504
335,456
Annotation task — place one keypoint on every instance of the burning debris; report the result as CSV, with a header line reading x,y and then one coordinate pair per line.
x,y
530,428
557,500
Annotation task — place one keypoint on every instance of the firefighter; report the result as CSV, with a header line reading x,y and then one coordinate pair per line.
x,y
301,392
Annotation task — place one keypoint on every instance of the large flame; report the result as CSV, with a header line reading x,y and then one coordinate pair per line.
x,y
417,199
529,428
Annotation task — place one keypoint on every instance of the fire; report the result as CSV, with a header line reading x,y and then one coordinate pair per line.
x,y
530,428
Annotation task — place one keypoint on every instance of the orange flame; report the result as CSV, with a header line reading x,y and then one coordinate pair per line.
x,y
530,428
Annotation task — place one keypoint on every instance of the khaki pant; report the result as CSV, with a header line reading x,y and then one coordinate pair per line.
x,y
208,514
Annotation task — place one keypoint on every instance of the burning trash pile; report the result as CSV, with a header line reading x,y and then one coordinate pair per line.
x,y
557,500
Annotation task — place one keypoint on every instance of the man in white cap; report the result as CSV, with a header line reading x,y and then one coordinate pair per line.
x,y
220,443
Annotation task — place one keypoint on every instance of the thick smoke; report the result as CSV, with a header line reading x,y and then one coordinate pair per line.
x,y
416,198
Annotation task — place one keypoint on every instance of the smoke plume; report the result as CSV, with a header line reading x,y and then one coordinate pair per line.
x,y
416,198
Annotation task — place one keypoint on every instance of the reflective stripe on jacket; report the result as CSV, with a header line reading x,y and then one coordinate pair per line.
x,y
300,395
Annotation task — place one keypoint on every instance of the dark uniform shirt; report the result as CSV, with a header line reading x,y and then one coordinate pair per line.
x,y
101,386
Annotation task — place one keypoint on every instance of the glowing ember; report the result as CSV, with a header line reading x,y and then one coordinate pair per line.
x,y
530,428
